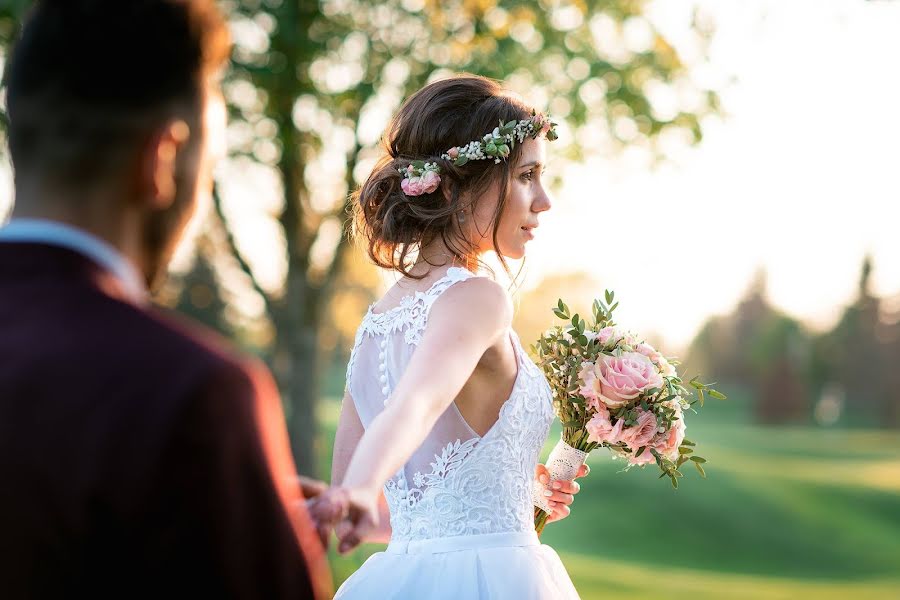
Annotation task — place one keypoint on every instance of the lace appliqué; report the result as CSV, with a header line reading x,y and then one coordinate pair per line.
x,y
450,458
411,315
483,485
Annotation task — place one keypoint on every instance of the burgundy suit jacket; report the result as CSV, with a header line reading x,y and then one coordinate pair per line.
x,y
138,456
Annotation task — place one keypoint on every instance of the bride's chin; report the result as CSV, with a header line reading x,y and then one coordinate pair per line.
x,y
515,254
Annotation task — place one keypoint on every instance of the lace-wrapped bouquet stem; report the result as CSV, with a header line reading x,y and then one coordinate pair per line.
x,y
612,390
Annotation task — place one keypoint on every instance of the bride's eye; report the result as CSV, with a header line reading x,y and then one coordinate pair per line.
x,y
528,175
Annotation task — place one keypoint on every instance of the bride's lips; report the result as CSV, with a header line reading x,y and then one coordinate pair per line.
x,y
529,231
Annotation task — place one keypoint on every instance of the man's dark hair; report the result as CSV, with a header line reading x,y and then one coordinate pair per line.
x,y
88,80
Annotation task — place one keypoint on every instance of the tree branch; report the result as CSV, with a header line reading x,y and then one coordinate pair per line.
x,y
236,253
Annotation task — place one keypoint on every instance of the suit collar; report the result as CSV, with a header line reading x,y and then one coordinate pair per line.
x,y
127,280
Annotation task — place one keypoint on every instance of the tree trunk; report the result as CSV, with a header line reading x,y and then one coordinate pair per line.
x,y
303,393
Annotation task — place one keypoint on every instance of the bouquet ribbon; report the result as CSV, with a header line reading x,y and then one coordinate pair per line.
x,y
563,464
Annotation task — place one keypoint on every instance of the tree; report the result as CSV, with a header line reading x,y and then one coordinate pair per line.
x,y
313,83
860,354
760,351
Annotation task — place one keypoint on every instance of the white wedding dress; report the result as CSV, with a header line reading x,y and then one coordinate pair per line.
x,y
461,508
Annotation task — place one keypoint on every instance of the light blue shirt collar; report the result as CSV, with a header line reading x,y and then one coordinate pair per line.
x,y
65,236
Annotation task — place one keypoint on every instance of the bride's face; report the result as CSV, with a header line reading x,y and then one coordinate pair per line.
x,y
520,216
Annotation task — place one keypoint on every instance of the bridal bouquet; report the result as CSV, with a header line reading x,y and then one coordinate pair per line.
x,y
612,389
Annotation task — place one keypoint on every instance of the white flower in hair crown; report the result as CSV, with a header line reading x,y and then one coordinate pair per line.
x,y
421,177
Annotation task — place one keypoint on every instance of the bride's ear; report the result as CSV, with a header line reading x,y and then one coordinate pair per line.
x,y
446,190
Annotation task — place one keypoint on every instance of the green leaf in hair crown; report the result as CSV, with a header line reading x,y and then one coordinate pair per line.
x,y
497,144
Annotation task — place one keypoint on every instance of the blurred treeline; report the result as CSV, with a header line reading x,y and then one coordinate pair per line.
x,y
846,375
776,368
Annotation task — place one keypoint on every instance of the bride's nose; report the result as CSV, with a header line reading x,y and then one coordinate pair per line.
x,y
542,202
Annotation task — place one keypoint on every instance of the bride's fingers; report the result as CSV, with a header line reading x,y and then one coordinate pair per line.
x,y
542,474
583,471
349,540
343,529
562,498
560,511
566,487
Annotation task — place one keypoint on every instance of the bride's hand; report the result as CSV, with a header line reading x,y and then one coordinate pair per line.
x,y
562,492
352,513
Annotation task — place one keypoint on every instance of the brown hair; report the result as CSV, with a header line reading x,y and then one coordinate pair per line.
x,y
443,114
89,79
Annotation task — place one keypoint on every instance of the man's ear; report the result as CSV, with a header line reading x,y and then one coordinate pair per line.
x,y
159,163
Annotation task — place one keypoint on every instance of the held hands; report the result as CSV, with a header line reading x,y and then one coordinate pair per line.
x,y
351,513
560,494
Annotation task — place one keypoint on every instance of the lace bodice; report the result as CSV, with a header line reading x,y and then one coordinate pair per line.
x,y
457,482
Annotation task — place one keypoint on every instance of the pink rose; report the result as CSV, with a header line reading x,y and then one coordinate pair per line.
x,y
648,351
621,379
453,153
590,386
430,181
600,429
656,358
614,334
642,432
668,443
666,368
606,333
412,187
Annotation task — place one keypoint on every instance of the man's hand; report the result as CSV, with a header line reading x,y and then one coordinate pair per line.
x,y
562,493
312,489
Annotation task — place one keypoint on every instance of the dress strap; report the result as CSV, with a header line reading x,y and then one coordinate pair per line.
x,y
453,276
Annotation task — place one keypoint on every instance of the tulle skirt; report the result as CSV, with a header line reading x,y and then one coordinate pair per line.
x,y
513,566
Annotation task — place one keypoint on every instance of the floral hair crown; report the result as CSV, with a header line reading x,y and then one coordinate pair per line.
x,y
420,177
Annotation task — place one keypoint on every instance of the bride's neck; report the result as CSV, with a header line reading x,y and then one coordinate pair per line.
x,y
437,254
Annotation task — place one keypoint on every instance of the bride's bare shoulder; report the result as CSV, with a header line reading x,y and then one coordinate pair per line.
x,y
480,301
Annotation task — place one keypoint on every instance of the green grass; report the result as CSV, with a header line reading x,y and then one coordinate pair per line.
x,y
787,512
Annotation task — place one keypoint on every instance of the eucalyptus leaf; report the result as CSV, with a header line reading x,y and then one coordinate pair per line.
x,y
699,468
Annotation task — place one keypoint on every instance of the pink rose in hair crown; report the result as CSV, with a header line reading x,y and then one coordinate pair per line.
x,y
420,178
430,181
412,187
617,380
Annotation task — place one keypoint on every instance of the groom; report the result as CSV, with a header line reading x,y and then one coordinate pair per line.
x,y
139,455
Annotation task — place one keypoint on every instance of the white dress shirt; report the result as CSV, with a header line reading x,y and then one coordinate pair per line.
x,y
53,233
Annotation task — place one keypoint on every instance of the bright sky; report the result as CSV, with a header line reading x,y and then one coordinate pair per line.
x,y
800,178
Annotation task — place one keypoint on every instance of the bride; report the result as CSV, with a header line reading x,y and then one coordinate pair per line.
x,y
445,415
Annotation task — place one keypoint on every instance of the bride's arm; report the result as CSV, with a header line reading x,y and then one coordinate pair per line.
x,y
349,431
468,319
